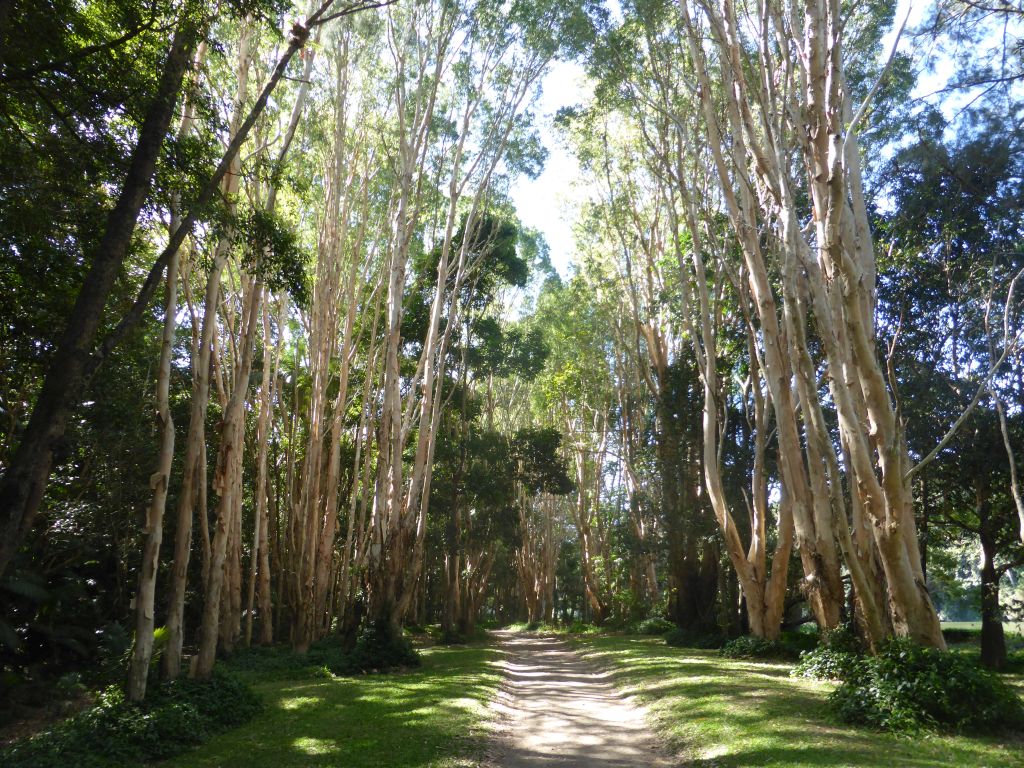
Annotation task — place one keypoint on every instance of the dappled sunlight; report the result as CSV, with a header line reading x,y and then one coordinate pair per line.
x,y
724,713
298,702
311,746
564,711
431,718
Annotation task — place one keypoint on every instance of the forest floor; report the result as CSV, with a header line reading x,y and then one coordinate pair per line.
x,y
720,713
559,710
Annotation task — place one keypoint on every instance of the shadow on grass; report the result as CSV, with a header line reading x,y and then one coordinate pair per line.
x,y
718,712
429,717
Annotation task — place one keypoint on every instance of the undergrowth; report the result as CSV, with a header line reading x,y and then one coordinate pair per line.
x,y
376,650
687,638
175,717
751,647
907,688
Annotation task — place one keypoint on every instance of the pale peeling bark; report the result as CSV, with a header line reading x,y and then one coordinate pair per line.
x,y
800,102
228,483
259,565
401,499
193,483
145,596
537,555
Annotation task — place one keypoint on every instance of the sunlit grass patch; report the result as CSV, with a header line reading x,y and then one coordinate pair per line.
x,y
433,717
719,712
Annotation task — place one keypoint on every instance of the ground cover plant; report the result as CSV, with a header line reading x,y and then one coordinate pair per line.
x,y
906,688
113,732
723,712
750,647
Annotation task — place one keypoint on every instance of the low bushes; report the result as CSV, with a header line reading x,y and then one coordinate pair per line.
x,y
114,732
834,658
826,663
686,638
455,637
654,626
750,647
376,650
907,688
955,635
744,647
799,641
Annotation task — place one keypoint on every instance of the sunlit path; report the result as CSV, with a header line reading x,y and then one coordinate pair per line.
x,y
563,712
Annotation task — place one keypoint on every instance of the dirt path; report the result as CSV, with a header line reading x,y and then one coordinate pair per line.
x,y
562,712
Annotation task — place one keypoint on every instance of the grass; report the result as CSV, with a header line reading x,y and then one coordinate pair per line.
x,y
721,713
1010,627
434,717
968,642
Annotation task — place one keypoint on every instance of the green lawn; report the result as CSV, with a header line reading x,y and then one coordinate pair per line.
x,y
433,717
1010,627
721,713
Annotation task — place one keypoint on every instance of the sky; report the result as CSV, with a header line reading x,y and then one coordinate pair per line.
x,y
550,202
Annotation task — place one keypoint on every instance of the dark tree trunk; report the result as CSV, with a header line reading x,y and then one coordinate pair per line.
x,y
23,485
993,641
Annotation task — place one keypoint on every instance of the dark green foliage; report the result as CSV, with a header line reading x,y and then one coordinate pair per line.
x,y
834,658
654,626
272,251
536,450
687,638
223,700
750,647
961,635
378,649
115,732
281,660
908,688
454,637
826,663
799,641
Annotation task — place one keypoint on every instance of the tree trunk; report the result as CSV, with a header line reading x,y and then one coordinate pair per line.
x,y
227,483
142,652
993,640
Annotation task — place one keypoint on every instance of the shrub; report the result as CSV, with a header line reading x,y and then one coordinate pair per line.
x,y
268,659
835,657
223,701
581,628
686,638
906,688
455,637
378,649
750,647
115,732
654,626
955,635
798,641
826,663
